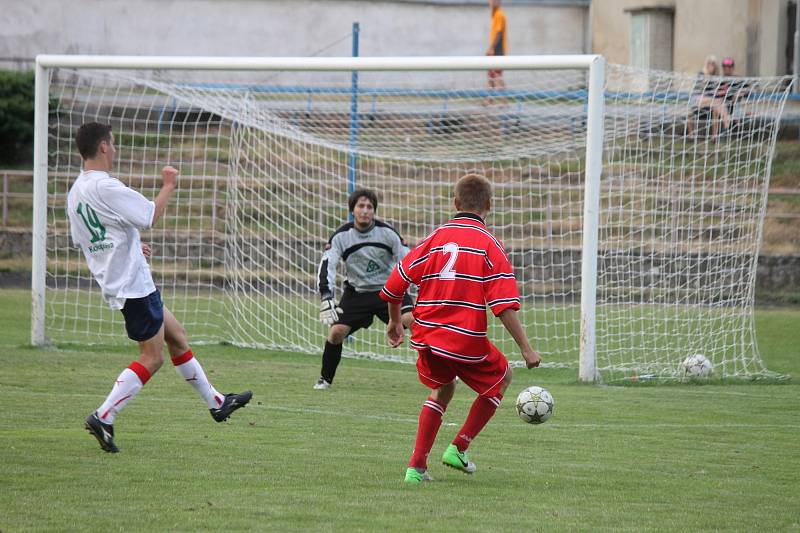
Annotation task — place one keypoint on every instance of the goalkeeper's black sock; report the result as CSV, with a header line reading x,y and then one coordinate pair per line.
x,y
330,360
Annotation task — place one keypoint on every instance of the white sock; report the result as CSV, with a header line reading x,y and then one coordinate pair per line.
x,y
191,370
128,385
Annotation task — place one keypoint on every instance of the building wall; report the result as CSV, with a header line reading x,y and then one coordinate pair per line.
x,y
773,38
282,27
751,31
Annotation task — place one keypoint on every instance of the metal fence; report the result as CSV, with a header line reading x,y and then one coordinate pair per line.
x,y
16,202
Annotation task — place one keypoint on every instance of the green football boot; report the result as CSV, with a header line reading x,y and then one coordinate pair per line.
x,y
414,476
458,460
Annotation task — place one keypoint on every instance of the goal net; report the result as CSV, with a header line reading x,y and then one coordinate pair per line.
x,y
267,160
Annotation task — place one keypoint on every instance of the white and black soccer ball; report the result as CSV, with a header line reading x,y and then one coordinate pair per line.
x,y
696,366
535,405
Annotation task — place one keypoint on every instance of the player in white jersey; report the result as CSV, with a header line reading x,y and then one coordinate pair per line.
x,y
105,217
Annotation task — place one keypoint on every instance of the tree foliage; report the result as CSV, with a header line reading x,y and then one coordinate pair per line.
x,y
16,116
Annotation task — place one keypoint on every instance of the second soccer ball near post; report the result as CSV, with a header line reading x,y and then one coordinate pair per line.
x,y
696,366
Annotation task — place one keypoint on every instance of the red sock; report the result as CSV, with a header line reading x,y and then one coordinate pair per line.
x,y
140,370
178,360
430,419
480,413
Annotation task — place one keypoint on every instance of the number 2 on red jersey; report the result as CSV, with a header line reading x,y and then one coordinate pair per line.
x,y
448,272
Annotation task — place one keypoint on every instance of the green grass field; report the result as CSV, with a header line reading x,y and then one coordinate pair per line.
x,y
655,458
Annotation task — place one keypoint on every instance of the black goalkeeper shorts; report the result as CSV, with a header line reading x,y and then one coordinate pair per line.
x,y
360,308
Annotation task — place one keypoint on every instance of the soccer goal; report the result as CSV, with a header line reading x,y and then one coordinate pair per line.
x,y
631,213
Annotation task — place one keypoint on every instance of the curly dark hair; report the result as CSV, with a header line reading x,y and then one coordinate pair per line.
x,y
366,193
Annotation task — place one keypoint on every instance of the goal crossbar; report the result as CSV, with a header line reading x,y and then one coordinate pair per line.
x,y
554,62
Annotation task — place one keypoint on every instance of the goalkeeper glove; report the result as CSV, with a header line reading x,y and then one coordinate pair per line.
x,y
328,312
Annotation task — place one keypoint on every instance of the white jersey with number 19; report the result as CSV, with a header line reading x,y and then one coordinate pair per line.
x,y
104,219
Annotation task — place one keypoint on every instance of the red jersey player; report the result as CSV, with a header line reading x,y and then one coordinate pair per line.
x,y
460,269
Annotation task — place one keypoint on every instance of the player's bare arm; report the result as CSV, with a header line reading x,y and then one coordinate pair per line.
x,y
511,322
395,333
169,181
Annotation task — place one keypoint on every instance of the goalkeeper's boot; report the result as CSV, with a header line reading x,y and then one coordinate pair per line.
x,y
231,403
415,477
458,460
104,433
322,384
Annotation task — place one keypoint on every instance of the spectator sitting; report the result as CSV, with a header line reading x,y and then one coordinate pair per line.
x,y
730,90
706,100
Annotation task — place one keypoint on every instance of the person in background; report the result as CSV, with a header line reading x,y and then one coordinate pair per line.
x,y
731,90
706,102
498,43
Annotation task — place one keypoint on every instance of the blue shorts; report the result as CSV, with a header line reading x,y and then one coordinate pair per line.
x,y
143,316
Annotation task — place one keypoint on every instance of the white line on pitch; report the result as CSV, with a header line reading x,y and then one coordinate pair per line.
x,y
647,425
550,425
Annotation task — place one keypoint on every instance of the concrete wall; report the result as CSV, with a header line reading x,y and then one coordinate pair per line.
x,y
751,31
772,38
282,27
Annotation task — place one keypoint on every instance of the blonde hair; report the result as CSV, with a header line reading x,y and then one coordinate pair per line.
x,y
710,59
473,193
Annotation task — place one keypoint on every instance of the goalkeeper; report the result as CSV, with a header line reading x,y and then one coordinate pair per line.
x,y
370,249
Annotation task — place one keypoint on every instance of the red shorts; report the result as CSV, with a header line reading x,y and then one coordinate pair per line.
x,y
495,74
485,377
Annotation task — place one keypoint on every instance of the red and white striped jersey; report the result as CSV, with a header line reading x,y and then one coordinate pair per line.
x,y
460,269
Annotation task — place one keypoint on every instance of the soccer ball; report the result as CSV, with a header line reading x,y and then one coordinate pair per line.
x,y
696,366
535,405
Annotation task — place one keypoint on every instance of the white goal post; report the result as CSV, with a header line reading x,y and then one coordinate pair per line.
x,y
268,165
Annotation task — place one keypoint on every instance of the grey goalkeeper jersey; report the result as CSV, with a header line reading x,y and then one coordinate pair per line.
x,y
369,257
